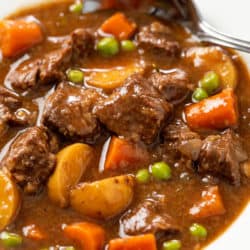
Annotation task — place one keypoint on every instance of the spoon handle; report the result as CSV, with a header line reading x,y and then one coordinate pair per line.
x,y
207,33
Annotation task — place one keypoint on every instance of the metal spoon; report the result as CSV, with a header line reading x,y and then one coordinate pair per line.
x,y
207,33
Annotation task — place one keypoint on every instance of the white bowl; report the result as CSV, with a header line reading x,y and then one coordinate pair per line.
x,y
236,236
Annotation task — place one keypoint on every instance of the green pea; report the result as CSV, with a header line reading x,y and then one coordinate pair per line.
x,y
171,245
76,7
10,239
199,94
143,176
128,45
108,46
161,171
198,231
210,82
76,76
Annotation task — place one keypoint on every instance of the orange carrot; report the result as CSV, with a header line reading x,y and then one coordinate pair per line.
x,y
210,205
33,232
145,242
121,153
119,26
216,112
16,36
89,235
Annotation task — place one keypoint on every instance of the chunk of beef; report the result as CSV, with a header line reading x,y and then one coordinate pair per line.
x,y
9,102
181,141
14,111
82,43
50,67
41,71
30,159
174,86
5,118
160,37
10,99
69,111
148,217
221,155
135,110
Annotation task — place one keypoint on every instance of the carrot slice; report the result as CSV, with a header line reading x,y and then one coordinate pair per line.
x,y
216,112
210,205
89,235
113,78
119,26
140,242
16,36
121,153
33,232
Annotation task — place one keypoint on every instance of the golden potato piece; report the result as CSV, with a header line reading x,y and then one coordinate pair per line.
x,y
9,200
112,78
214,59
105,198
72,162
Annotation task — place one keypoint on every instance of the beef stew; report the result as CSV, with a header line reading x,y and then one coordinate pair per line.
x,y
119,130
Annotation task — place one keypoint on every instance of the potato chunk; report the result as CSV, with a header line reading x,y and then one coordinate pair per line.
x,y
72,162
105,198
214,59
112,78
10,200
